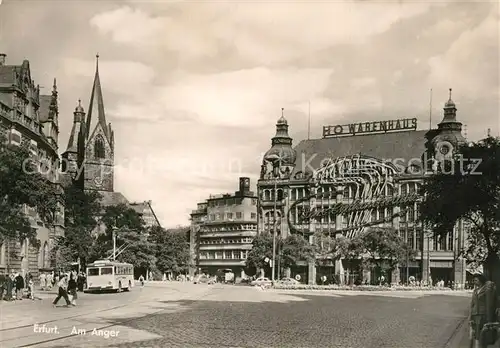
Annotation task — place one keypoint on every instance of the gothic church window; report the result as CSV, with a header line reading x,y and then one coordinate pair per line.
x,y
99,148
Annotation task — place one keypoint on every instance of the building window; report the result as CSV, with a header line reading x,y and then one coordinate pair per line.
x,y
418,239
15,137
390,190
212,217
254,201
450,241
229,216
239,215
404,189
217,216
33,147
228,254
99,148
253,216
412,187
374,215
293,194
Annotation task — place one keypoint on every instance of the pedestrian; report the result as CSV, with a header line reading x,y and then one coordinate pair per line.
x,y
63,291
141,279
9,286
72,287
31,288
43,281
19,285
482,311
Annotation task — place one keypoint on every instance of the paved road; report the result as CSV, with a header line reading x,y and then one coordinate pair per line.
x,y
187,315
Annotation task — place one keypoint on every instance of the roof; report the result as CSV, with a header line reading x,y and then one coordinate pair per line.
x,y
112,198
141,207
405,145
7,74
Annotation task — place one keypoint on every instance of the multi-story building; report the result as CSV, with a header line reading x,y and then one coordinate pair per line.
x,y
357,176
223,228
30,119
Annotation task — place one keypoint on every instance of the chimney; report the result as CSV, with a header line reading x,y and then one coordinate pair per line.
x,y
244,185
2,58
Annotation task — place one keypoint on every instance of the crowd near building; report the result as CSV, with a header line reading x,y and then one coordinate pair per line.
x,y
222,231
31,119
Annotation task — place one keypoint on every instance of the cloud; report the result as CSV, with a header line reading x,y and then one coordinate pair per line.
x,y
261,32
470,65
121,77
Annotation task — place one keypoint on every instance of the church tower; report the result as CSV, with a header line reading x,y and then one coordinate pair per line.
x,y
73,157
99,143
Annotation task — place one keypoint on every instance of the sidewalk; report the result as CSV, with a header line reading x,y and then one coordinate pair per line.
x,y
93,312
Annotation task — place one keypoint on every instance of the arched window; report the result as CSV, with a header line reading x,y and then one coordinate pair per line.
x,y
2,254
99,148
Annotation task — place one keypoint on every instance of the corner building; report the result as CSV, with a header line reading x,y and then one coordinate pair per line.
x,y
355,177
222,231
31,119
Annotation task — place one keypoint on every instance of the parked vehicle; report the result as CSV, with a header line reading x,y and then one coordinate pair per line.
x,y
261,281
288,281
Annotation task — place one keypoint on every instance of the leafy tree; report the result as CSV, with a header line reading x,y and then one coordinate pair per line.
x,y
295,248
137,249
172,249
21,183
382,248
262,248
330,248
467,187
118,219
82,212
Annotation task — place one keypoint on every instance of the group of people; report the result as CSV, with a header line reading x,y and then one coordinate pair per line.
x,y
68,286
14,285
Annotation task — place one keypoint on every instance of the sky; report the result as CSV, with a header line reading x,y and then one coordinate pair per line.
x,y
193,89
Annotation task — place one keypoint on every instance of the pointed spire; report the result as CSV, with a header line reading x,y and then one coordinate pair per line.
x,y
76,130
97,104
54,86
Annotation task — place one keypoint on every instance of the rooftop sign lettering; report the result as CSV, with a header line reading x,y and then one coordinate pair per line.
x,y
370,127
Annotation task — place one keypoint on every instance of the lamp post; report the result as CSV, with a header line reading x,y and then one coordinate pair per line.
x,y
274,229
114,243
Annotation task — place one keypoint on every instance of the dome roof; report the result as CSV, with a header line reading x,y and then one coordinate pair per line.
x,y
79,108
283,154
282,120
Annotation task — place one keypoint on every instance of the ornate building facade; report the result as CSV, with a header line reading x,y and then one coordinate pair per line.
x,y
357,176
222,230
30,119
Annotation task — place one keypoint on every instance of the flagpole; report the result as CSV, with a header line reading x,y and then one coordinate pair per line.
x,y
309,123
430,111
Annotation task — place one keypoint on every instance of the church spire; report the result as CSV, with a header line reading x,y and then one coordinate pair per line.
x,y
97,104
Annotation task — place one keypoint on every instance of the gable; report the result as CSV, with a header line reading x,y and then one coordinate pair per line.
x,y
98,135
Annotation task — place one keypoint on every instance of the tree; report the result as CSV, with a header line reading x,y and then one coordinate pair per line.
x,y
467,187
382,249
295,248
137,250
21,183
172,249
330,248
82,212
262,248
119,219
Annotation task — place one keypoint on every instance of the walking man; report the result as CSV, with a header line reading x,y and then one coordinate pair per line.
x,y
63,290
19,280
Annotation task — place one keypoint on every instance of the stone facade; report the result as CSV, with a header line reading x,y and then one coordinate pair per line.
x,y
376,179
30,119
222,231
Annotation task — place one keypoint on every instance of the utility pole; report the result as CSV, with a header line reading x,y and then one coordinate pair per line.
x,y
114,243
274,229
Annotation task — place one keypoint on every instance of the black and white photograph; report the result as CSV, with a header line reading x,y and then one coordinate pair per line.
x,y
250,174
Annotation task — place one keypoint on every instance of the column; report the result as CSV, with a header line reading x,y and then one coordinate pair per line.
x,y
396,222
425,255
311,265
459,265
339,268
